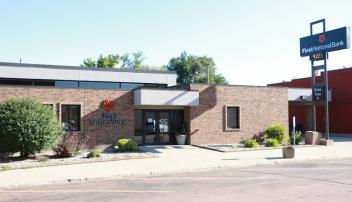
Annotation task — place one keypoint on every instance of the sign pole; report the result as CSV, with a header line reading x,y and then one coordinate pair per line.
x,y
317,46
327,135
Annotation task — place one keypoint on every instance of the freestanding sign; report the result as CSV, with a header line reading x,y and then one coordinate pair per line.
x,y
317,46
333,40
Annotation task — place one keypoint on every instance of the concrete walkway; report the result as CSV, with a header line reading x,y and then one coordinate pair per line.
x,y
172,159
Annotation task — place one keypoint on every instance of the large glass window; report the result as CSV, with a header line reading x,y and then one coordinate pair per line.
x,y
99,85
138,122
131,86
232,117
66,84
71,117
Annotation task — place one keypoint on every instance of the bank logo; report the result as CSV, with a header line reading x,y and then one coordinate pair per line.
x,y
322,38
107,105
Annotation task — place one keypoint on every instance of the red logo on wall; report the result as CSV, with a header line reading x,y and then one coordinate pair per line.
x,y
107,105
322,38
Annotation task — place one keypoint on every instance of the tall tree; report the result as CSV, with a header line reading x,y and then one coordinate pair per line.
x,y
195,69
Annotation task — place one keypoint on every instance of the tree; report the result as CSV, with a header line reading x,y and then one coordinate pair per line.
x,y
195,69
109,61
27,126
136,62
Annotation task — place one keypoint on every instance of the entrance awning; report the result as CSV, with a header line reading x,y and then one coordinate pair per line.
x,y
166,97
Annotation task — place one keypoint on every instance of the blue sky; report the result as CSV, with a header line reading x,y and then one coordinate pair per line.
x,y
252,42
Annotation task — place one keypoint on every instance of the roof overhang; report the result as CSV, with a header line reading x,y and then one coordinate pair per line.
x,y
166,97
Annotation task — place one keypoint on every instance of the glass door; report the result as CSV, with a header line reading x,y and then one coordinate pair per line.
x,y
155,127
164,127
149,127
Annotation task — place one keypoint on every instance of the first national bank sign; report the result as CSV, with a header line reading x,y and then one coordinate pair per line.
x,y
332,40
108,116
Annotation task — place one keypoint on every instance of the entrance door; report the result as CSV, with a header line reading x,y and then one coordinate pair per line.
x,y
155,127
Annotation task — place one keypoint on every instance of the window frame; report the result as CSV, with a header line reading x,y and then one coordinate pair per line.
x,y
81,125
238,120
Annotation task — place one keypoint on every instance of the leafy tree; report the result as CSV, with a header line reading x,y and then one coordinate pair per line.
x,y
27,126
195,69
134,62
109,61
89,62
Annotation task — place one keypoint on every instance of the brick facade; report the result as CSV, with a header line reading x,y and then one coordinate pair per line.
x,y
259,107
90,101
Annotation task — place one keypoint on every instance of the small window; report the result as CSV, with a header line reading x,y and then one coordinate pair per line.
x,y
232,117
71,117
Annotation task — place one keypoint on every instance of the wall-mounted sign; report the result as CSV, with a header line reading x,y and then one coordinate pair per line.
x,y
318,92
333,40
107,118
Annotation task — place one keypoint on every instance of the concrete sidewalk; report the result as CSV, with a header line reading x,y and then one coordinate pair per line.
x,y
172,159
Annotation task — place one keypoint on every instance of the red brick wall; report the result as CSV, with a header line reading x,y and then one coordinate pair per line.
x,y
259,107
340,108
90,101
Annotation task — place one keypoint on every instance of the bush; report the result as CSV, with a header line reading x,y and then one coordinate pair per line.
x,y
251,144
126,145
277,132
27,126
298,137
93,154
70,144
270,142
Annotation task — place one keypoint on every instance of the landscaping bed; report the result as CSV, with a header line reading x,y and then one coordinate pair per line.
x,y
241,147
49,159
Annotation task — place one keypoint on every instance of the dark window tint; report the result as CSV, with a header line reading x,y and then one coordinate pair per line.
x,y
71,117
66,84
130,86
44,83
233,116
16,82
138,122
99,85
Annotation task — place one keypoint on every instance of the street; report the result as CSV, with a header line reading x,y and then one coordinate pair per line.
x,y
324,180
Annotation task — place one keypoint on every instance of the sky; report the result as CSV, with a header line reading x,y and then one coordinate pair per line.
x,y
253,42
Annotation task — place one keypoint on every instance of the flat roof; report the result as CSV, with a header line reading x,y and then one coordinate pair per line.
x,y
13,64
76,73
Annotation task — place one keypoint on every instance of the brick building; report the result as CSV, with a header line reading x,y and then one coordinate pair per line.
x,y
147,106
340,105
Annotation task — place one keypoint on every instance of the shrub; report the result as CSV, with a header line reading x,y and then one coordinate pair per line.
x,y
251,144
270,142
277,132
93,154
27,126
70,144
298,137
126,145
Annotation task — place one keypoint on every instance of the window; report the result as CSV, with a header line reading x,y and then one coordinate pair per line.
x,y
66,84
131,86
138,122
232,117
99,85
71,117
